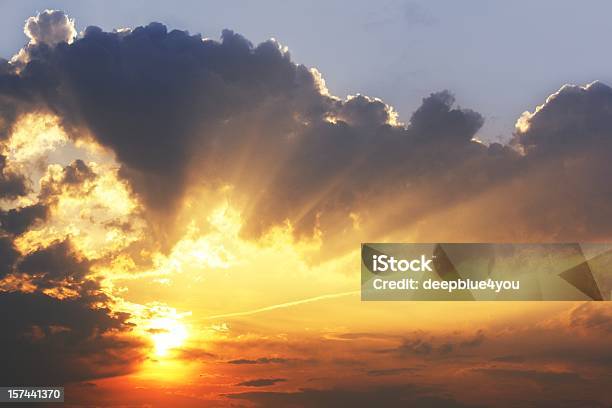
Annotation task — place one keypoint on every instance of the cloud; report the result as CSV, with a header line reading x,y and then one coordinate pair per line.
x,y
178,110
383,396
64,321
560,361
46,29
8,256
542,377
567,143
459,125
191,88
195,354
77,172
571,119
87,203
184,114
363,111
476,341
12,185
261,360
55,264
261,382
57,341
61,318
50,27
511,358
18,220
391,371
72,176
418,345
593,317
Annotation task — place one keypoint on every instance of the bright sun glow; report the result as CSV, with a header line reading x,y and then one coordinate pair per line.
x,y
167,333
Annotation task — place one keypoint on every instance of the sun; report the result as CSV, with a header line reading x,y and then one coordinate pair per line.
x,y
167,334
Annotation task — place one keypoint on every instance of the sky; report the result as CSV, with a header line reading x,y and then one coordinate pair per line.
x,y
498,58
181,215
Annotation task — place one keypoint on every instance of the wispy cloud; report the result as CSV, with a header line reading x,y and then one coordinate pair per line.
x,y
283,305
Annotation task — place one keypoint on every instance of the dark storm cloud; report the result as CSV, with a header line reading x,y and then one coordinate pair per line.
x,y
75,338
571,120
458,125
55,263
363,111
567,143
175,108
18,220
153,96
8,256
77,172
11,185
180,111
47,341
261,382
72,176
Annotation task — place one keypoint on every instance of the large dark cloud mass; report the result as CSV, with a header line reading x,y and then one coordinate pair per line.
x,y
18,220
66,335
570,121
179,110
11,185
58,325
52,341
